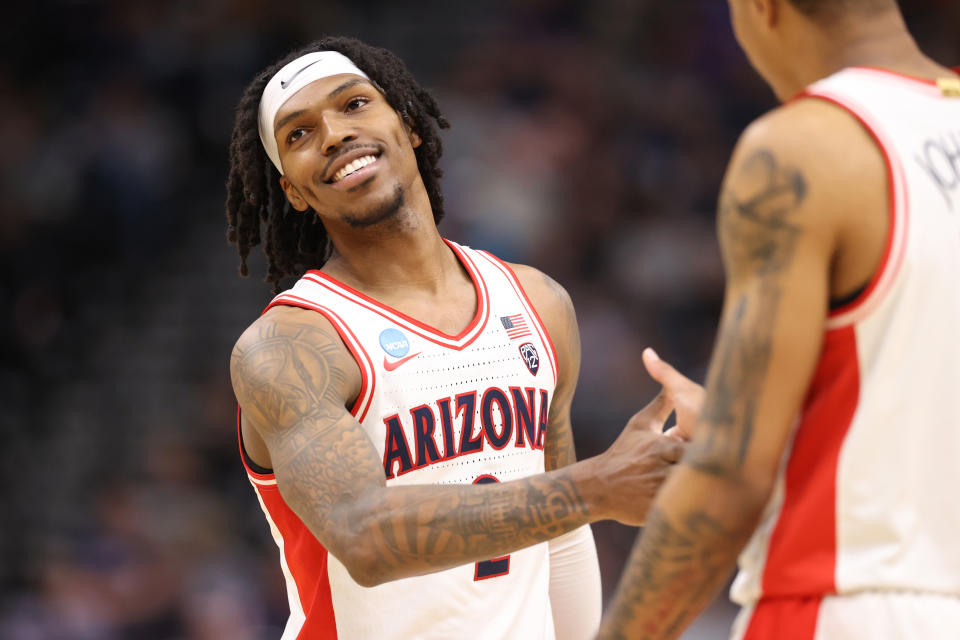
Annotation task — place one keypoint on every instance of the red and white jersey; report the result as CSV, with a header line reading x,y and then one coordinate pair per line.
x,y
866,499
440,409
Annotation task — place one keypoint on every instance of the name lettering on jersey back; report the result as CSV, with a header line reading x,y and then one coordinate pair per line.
x,y
940,159
449,427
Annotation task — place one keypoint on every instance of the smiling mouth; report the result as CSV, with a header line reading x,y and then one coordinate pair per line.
x,y
356,165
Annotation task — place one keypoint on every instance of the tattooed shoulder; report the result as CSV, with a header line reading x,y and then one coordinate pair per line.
x,y
289,365
757,222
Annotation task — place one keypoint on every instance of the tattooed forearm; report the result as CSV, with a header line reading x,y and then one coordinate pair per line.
x,y
408,530
673,572
758,235
464,524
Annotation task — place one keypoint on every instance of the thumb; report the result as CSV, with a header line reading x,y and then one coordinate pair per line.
x,y
661,370
656,412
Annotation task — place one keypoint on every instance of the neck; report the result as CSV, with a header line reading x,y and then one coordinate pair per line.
x,y
863,40
404,251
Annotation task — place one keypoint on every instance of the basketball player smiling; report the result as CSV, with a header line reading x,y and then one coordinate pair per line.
x,y
362,455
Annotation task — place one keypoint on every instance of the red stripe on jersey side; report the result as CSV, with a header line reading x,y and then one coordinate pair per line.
x,y
538,322
307,560
801,559
367,373
457,342
784,619
891,260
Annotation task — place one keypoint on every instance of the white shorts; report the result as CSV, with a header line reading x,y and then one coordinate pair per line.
x,y
875,615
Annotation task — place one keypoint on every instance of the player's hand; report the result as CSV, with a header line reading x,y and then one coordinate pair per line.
x,y
637,463
685,395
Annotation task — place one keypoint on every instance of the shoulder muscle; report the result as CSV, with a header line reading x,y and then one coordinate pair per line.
x,y
289,365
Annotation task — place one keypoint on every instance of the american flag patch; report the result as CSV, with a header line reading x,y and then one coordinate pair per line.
x,y
516,326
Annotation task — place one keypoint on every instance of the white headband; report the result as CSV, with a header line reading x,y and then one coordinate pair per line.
x,y
290,79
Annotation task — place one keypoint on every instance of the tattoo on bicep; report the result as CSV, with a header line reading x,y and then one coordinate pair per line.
x,y
758,237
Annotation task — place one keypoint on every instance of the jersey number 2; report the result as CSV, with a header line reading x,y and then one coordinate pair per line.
x,y
497,566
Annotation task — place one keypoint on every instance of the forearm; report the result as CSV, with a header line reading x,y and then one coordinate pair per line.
x,y
695,530
389,533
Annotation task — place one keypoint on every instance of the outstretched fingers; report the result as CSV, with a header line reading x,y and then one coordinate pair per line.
x,y
684,394
662,371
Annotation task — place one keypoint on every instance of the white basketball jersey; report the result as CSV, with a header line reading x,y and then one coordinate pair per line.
x,y
440,409
867,494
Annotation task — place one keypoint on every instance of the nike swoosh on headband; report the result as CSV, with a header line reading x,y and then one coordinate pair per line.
x,y
286,83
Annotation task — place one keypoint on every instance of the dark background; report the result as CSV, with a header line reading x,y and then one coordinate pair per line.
x,y
589,140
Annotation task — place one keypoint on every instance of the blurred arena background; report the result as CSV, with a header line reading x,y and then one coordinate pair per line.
x,y
589,140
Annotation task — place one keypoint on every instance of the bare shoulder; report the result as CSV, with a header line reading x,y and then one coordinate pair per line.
x,y
286,358
838,157
811,164
547,295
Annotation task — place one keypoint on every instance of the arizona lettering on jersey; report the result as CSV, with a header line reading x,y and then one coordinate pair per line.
x,y
440,409
858,507
502,413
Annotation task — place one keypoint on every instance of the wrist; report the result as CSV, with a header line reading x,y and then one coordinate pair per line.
x,y
587,477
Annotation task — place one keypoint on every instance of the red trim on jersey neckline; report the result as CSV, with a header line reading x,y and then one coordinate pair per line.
x,y
367,372
531,310
886,272
457,342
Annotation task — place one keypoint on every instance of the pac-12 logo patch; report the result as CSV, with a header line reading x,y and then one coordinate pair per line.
x,y
394,342
530,357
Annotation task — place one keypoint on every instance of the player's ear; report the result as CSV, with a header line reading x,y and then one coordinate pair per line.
x,y
293,195
415,139
412,135
768,11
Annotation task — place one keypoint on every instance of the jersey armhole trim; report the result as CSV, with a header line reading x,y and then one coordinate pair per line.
x,y
531,309
884,276
258,475
367,372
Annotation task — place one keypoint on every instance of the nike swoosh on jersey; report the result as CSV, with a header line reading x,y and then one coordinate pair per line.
x,y
390,366
286,83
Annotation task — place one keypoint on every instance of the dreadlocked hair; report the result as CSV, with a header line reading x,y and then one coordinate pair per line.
x,y
256,204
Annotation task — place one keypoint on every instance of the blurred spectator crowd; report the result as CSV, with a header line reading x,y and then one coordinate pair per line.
x,y
589,140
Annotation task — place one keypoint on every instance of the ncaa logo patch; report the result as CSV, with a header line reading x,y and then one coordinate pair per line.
x,y
394,342
530,357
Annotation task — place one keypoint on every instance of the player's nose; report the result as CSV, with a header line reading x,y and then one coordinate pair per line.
x,y
336,132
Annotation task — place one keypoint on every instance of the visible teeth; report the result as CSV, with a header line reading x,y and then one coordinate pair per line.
x,y
357,164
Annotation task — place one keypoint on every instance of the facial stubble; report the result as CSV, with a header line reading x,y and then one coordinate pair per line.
x,y
377,213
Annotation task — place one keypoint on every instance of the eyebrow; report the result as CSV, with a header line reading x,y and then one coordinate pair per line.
x,y
333,94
